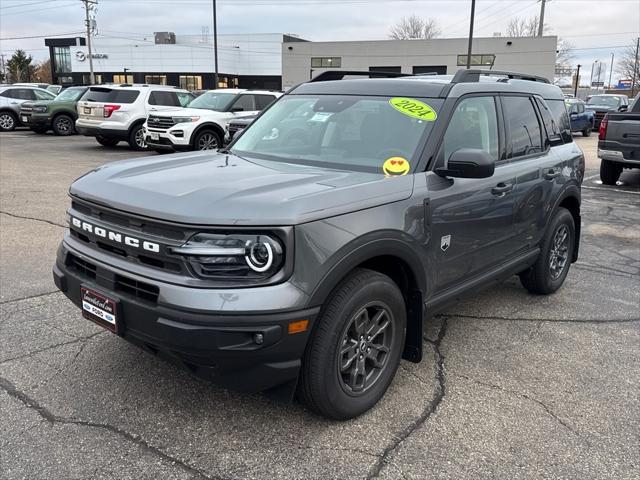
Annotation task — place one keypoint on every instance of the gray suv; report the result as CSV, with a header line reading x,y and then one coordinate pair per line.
x,y
11,97
307,256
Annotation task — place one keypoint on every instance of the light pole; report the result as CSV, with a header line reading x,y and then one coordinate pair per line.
x,y
591,77
473,14
611,69
575,90
125,70
215,45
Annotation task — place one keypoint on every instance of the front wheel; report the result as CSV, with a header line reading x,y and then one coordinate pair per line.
x,y
610,172
556,251
63,125
356,347
8,121
586,132
207,140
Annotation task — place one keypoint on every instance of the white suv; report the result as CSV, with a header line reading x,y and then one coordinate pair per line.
x,y
112,113
202,125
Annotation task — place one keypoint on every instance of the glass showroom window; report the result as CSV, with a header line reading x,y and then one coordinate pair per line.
x,y
62,59
191,82
484,59
123,78
155,79
326,62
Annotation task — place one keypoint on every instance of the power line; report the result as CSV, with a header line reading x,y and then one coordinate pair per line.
x,y
41,36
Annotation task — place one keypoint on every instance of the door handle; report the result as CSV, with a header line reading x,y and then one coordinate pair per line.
x,y
502,189
550,173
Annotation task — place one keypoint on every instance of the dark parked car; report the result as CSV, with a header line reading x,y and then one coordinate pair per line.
x,y
238,125
582,120
58,114
310,262
619,143
603,104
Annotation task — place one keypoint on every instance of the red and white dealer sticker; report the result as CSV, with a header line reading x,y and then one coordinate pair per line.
x,y
99,308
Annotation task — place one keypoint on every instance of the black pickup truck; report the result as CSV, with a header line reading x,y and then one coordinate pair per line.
x,y
619,143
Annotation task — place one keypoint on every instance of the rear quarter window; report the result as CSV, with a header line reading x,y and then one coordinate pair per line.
x,y
108,95
561,117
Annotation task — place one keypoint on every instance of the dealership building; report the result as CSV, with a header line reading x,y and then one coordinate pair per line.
x,y
278,61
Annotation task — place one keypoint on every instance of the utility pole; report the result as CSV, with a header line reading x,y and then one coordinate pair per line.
x,y
611,69
635,69
541,23
575,90
88,4
215,45
4,71
473,14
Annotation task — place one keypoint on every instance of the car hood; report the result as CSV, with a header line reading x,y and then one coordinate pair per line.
x,y
599,108
206,188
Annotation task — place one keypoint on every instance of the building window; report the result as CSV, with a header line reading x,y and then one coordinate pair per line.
x,y
484,59
86,79
155,79
326,62
65,80
122,78
191,82
62,59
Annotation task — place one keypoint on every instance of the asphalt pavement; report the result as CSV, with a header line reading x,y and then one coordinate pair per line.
x,y
512,386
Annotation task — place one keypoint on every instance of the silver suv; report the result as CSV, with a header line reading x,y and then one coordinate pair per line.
x,y
112,113
11,97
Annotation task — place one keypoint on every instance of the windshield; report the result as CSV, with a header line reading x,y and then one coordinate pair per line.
x,y
213,101
70,95
604,100
336,131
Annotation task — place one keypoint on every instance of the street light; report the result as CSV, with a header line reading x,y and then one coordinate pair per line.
x,y
591,77
125,70
611,69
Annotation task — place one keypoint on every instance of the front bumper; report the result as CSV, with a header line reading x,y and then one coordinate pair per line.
x,y
221,345
165,143
35,120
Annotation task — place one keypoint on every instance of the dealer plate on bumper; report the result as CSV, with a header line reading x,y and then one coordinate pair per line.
x,y
100,309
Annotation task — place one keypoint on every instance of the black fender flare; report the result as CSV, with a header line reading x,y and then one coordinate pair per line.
x,y
571,190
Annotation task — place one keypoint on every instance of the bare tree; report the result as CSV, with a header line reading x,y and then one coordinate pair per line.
x,y
43,72
564,53
525,27
627,62
414,27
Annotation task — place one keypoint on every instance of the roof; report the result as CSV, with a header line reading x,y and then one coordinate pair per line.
x,y
432,86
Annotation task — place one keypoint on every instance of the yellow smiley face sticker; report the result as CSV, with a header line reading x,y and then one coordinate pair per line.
x,y
395,166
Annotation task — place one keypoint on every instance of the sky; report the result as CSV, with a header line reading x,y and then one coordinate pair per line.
x,y
595,28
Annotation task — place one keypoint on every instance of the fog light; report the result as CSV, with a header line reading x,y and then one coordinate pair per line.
x,y
177,133
258,338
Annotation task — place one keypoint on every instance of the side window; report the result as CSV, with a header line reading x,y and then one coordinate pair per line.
x,y
560,115
42,95
580,108
7,93
184,98
166,99
524,128
473,124
244,103
263,101
554,133
24,94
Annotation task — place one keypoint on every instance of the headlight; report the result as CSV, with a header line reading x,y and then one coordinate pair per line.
x,y
233,256
41,109
185,119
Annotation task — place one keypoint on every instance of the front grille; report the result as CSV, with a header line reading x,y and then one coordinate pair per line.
x,y
80,266
142,290
120,283
155,122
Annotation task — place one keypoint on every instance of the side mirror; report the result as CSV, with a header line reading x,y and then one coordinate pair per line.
x,y
623,108
468,163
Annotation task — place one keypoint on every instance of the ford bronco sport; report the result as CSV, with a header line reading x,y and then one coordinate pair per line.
x,y
307,255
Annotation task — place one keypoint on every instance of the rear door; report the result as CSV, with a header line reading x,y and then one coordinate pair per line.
x,y
471,219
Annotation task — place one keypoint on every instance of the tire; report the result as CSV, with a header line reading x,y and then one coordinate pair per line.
x,y
207,140
39,130
586,132
136,138
107,141
610,172
8,121
556,251
342,394
63,125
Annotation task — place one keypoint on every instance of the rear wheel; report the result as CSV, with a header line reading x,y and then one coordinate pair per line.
x,y
207,140
356,347
586,132
136,138
107,141
610,172
63,125
556,251
8,121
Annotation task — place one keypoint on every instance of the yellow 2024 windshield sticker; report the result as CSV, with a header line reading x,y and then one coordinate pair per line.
x,y
414,108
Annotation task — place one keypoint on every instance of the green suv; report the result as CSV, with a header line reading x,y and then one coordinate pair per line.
x,y
58,114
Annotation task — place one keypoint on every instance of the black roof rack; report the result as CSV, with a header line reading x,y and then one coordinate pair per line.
x,y
340,74
473,75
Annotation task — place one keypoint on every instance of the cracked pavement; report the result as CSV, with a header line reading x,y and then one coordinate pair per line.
x,y
512,385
